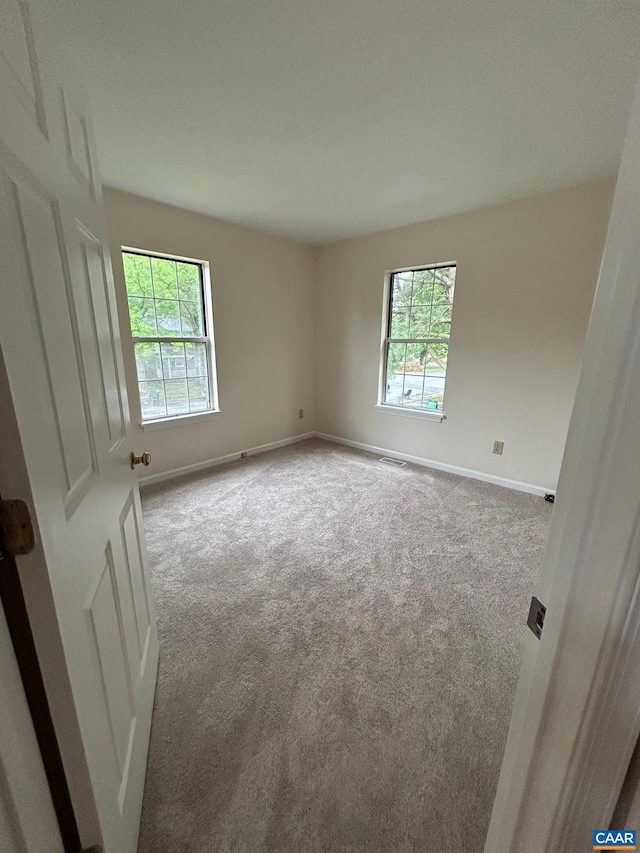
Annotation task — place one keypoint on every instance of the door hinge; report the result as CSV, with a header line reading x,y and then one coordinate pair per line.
x,y
535,619
16,529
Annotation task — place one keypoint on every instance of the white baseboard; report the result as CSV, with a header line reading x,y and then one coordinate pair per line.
x,y
220,460
358,445
441,466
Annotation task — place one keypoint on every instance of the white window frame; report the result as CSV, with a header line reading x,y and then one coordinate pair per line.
x,y
388,408
208,339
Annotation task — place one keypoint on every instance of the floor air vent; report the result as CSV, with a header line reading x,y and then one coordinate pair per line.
x,y
389,461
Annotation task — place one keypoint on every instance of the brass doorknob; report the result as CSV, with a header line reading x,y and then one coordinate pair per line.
x,y
145,459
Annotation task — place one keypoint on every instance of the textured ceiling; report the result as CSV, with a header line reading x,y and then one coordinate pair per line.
x,y
320,119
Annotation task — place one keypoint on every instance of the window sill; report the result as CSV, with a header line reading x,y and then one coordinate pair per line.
x,y
180,420
425,415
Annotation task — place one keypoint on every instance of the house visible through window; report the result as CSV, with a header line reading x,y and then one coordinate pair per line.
x,y
416,345
171,324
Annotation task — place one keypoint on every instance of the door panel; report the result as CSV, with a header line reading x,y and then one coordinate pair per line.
x,y
78,143
88,277
94,273
59,340
43,253
18,67
134,562
15,53
108,634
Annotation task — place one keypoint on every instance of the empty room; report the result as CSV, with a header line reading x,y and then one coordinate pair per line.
x,y
319,491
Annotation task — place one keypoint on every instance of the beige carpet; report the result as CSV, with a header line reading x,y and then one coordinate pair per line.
x,y
340,643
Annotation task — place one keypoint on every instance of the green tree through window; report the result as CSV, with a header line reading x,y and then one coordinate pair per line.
x,y
169,329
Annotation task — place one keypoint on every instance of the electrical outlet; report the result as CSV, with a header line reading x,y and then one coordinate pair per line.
x,y
244,454
498,447
300,414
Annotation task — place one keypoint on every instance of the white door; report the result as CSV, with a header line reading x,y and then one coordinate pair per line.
x,y
576,716
60,344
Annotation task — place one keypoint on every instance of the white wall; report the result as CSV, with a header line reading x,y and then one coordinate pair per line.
x,y
525,280
262,303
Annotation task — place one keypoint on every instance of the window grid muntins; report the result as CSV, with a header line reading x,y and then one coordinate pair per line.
x,y
417,340
169,328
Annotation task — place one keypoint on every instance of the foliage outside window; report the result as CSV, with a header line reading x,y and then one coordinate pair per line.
x,y
417,337
173,346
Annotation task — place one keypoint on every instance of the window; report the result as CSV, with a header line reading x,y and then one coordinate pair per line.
x,y
416,343
172,328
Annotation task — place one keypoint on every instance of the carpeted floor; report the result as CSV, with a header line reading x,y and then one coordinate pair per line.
x,y
340,643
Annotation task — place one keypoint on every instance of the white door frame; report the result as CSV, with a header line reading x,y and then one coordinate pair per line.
x,y
576,716
27,818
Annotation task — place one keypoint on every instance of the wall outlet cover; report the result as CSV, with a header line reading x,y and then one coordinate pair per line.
x,y
498,447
